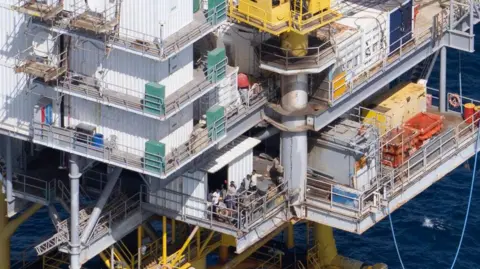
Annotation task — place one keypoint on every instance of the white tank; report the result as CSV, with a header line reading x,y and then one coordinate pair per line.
x,y
43,44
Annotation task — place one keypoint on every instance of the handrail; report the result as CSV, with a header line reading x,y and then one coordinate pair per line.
x,y
50,5
430,156
124,156
245,217
133,99
142,42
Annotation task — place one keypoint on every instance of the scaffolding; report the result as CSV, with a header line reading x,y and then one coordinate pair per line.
x,y
40,9
102,22
43,59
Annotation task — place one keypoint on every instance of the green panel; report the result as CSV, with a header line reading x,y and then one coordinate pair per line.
x,y
154,156
216,66
196,6
154,101
220,13
215,122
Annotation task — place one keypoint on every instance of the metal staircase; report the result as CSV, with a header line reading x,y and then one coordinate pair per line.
x,y
117,211
422,70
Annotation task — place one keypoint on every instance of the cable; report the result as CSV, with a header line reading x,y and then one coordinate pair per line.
x,y
394,238
466,215
469,200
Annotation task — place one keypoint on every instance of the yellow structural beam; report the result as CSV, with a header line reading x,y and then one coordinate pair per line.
x,y
164,240
247,253
290,237
106,259
8,227
182,249
326,255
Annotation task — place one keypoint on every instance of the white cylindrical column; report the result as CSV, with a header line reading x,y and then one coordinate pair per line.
x,y
74,176
294,144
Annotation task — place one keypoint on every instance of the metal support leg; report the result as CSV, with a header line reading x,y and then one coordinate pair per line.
x,y
8,182
74,176
443,80
294,145
112,178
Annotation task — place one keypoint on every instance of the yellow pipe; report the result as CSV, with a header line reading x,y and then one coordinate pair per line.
x,y
326,251
164,240
205,244
290,240
325,242
198,242
139,246
174,234
105,259
8,227
187,242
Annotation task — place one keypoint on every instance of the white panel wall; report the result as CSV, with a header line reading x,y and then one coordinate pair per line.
x,y
142,20
240,168
131,71
132,130
186,194
228,94
194,185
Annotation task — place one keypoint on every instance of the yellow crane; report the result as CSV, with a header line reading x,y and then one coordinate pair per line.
x,y
292,20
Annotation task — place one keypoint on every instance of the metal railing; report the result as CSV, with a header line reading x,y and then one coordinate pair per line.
x,y
389,184
138,101
137,160
124,156
272,54
144,43
250,210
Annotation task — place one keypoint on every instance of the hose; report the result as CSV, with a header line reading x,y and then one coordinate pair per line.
x,y
466,215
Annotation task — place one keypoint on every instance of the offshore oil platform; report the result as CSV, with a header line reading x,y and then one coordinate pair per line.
x,y
224,122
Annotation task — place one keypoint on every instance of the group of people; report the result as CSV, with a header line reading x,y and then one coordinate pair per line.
x,y
231,195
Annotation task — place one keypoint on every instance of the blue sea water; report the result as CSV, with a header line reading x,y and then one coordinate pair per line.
x,y
428,228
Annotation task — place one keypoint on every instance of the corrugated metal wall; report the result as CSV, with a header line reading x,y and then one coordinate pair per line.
x,y
186,194
228,94
240,168
131,71
132,130
142,20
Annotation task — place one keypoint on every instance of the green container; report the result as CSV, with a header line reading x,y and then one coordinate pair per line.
x,y
154,156
196,6
219,14
216,71
154,101
216,122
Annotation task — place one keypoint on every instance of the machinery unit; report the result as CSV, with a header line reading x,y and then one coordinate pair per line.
x,y
84,132
282,16
407,100
347,152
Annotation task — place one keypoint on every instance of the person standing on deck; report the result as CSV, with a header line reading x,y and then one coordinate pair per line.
x,y
253,182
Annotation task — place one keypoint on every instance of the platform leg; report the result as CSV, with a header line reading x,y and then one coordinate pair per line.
x,y
8,227
74,176
294,144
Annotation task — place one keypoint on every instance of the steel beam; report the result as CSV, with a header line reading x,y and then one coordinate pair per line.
x,y
112,179
443,80
74,176
9,173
